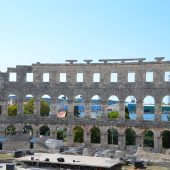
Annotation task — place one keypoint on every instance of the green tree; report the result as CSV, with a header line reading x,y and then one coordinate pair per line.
x,y
78,134
95,135
12,110
29,107
113,115
45,131
126,113
61,134
10,130
45,108
148,139
130,136
166,139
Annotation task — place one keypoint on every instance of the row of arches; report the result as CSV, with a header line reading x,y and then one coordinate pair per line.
x,y
96,108
112,135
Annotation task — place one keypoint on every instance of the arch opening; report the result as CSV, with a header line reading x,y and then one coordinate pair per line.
x,y
45,105
28,104
166,108
148,138
165,139
79,106
149,108
62,106
95,135
78,134
44,131
62,133
96,108
130,136
12,105
130,107
10,130
113,107
112,136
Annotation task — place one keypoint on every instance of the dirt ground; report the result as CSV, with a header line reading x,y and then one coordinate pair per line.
x,y
147,168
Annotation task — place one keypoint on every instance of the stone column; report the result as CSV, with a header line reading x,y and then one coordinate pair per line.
x,y
104,109
103,138
20,106
53,133
157,142
158,111
87,109
86,136
139,140
53,107
37,106
4,111
70,109
121,141
69,136
139,111
122,109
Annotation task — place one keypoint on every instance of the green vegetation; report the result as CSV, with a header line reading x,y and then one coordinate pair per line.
x,y
130,136
78,134
10,130
95,135
166,139
12,110
6,156
61,134
29,107
45,131
148,139
45,108
126,113
113,115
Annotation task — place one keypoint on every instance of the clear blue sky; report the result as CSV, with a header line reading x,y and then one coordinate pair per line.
x,y
51,31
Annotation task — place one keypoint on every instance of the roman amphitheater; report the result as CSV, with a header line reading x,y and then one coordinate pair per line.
x,y
119,78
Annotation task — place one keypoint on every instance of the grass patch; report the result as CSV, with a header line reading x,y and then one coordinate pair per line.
x,y
6,156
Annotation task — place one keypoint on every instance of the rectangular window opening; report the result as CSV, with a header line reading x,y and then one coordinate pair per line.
x,y
149,76
96,77
63,77
113,77
45,77
79,77
29,77
131,77
167,76
13,77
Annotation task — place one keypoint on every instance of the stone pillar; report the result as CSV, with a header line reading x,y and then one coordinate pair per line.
x,y
87,109
53,133
158,111
157,142
20,106
122,109
139,111
103,138
70,109
86,136
53,107
37,106
69,136
104,109
4,111
121,141
139,140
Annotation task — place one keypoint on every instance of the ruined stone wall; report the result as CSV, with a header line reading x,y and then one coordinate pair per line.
x,y
71,88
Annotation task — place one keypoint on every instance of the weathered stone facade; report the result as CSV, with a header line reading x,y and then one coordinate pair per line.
x,y
104,88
